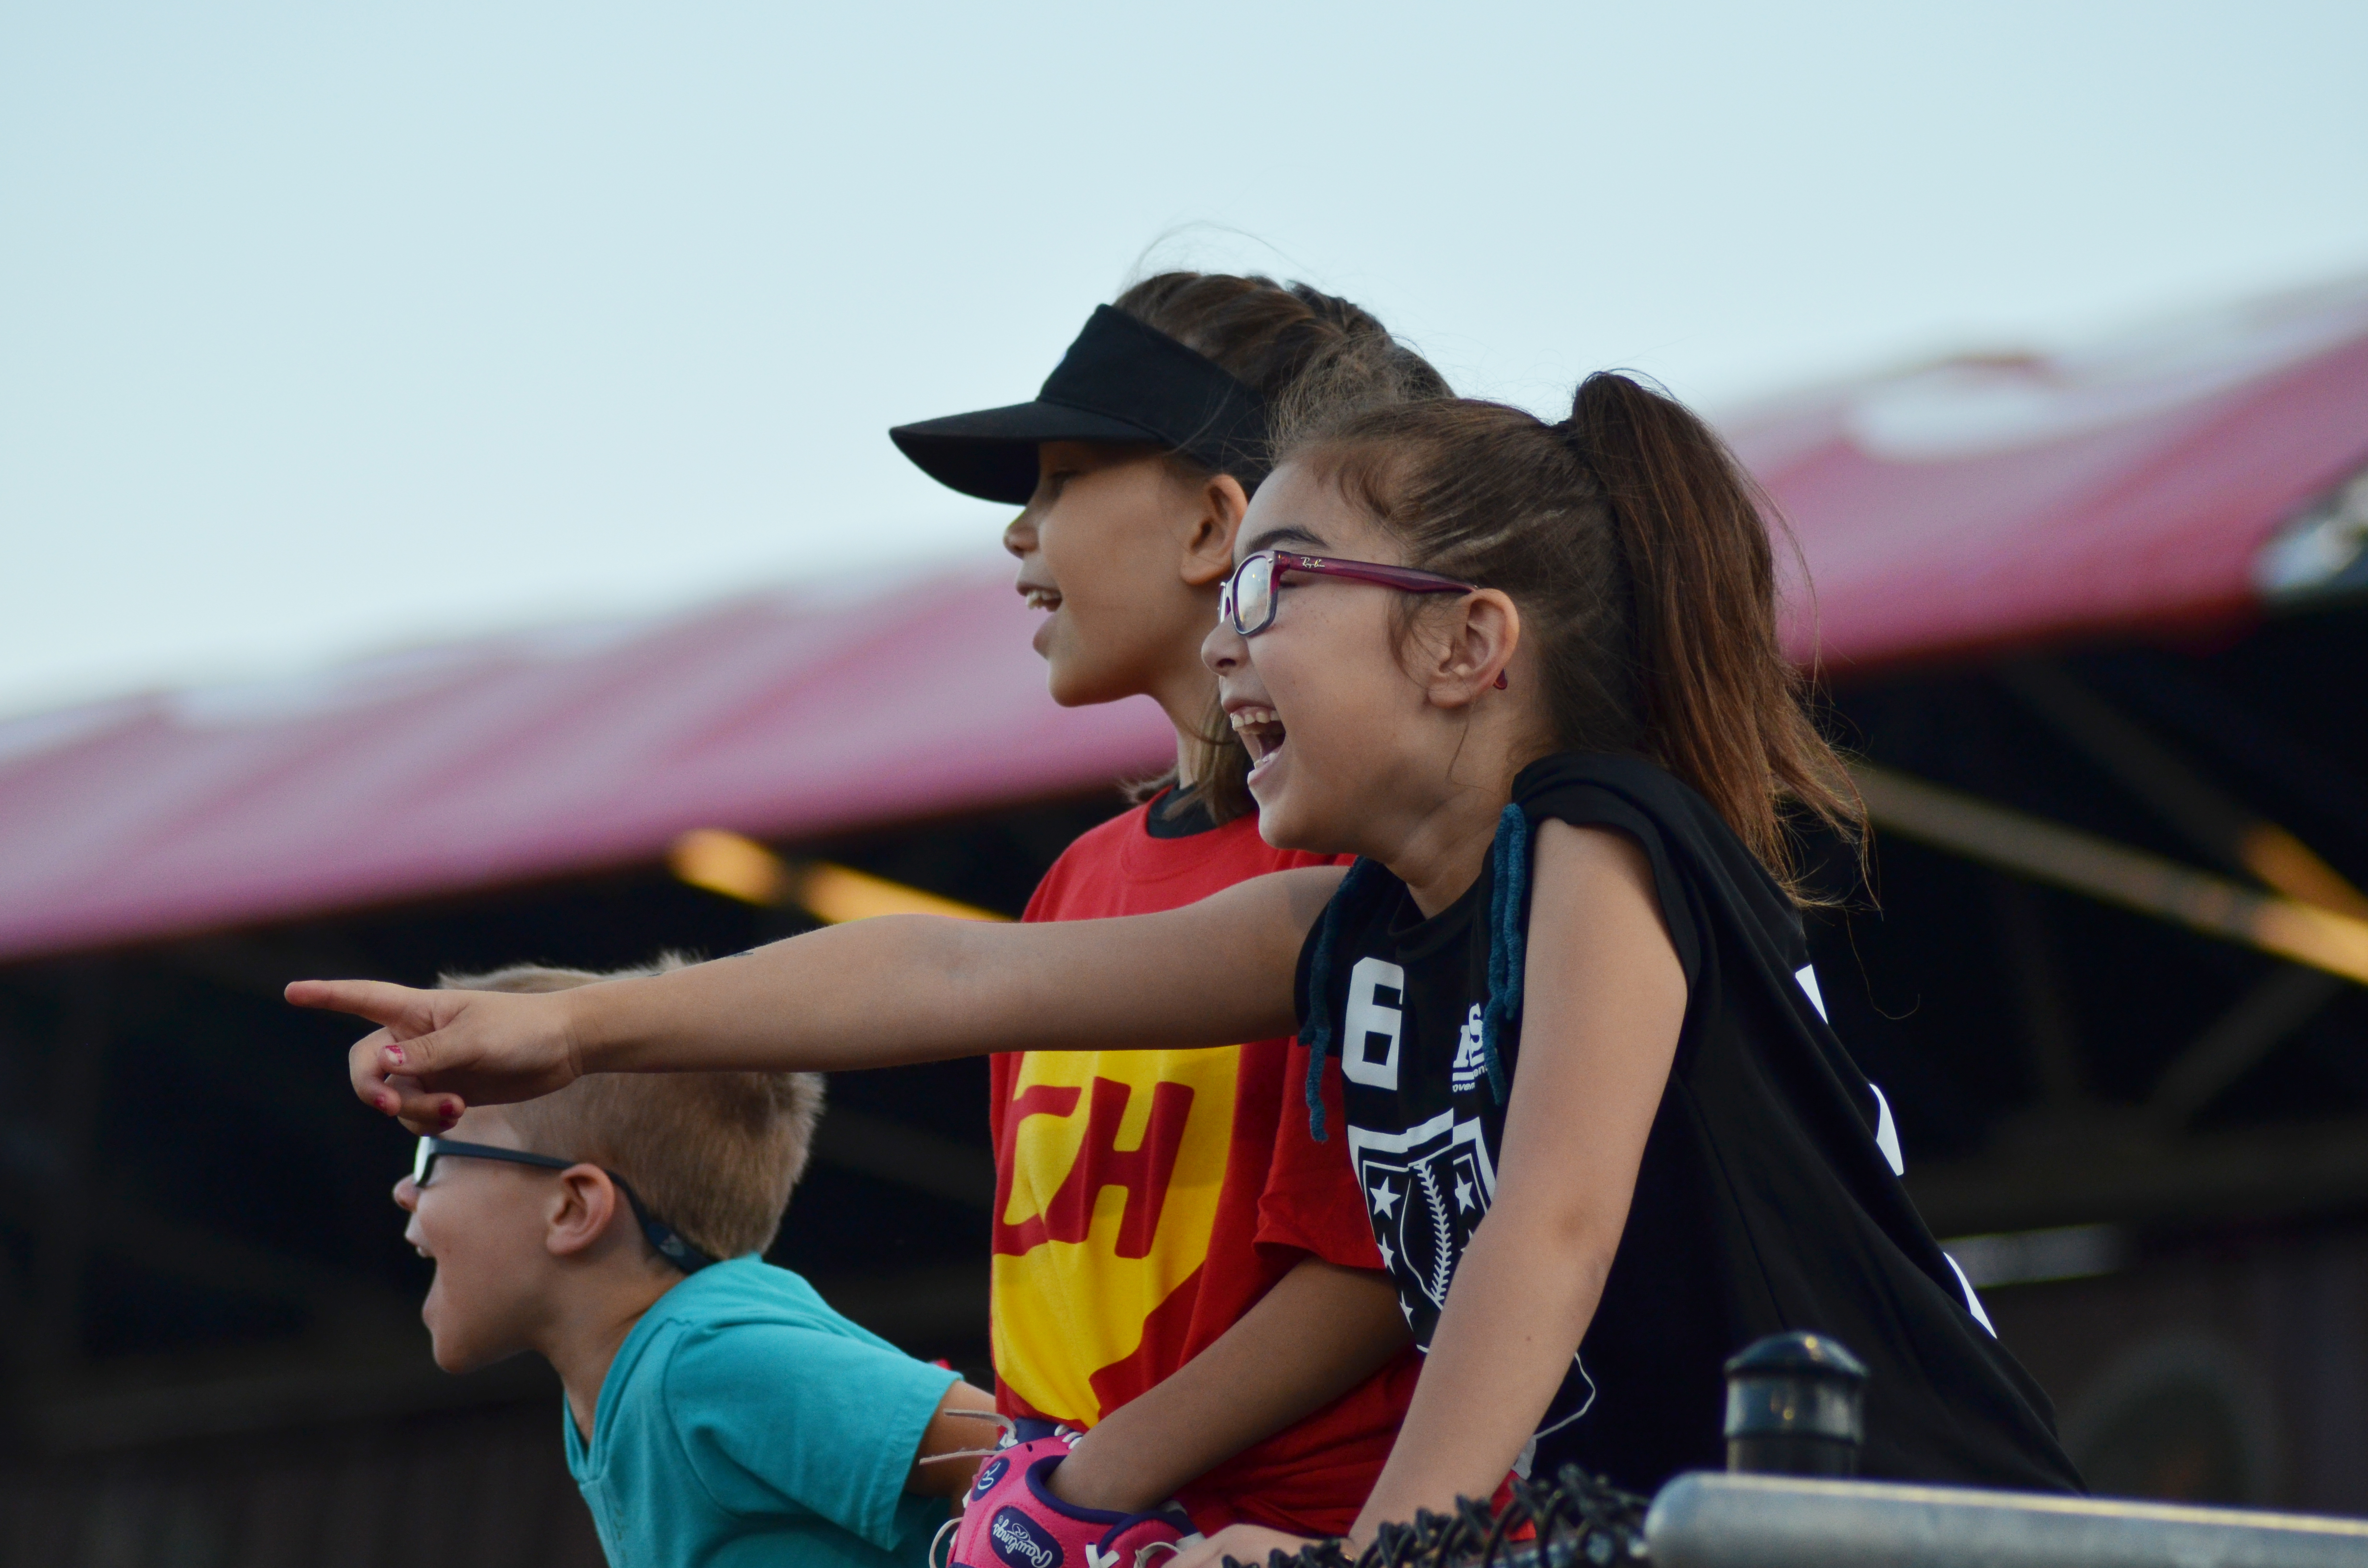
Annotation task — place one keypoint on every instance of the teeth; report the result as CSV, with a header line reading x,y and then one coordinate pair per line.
x,y
1043,598
1243,718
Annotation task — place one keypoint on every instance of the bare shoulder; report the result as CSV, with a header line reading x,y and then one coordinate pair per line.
x,y
1593,852
1596,882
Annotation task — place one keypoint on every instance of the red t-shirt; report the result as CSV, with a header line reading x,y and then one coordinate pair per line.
x,y
1145,1199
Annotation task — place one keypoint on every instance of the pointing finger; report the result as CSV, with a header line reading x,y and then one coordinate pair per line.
x,y
399,1008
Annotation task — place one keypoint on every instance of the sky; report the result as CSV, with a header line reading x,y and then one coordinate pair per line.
x,y
326,329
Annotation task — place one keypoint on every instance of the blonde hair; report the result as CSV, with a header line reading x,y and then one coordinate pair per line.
x,y
714,1155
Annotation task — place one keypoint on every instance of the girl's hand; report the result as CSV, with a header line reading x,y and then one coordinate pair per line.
x,y
1244,1543
438,1053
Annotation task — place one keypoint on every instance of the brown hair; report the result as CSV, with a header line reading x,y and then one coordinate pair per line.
x,y
1310,356
714,1153
1639,553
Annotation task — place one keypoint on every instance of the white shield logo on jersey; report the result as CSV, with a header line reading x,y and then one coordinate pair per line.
x,y
1426,1190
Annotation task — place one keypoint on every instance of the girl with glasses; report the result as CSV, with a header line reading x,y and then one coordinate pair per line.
x,y
1603,1134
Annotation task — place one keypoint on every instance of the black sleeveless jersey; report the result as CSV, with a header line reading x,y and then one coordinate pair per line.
x,y
1769,1197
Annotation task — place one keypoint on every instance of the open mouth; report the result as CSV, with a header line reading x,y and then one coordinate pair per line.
x,y
1048,599
1261,732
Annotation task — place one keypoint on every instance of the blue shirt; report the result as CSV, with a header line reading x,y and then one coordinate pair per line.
x,y
743,1424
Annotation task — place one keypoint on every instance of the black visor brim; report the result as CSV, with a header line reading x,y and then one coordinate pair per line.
x,y
992,454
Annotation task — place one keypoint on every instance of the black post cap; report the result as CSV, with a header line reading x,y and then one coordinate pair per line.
x,y
1795,1407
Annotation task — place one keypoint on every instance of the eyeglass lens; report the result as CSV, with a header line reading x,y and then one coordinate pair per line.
x,y
423,1161
1253,595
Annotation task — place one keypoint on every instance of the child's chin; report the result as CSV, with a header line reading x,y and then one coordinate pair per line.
x,y
451,1347
1072,682
1270,810
454,1354
446,1348
1285,828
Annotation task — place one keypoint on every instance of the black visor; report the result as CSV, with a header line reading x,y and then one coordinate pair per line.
x,y
1121,381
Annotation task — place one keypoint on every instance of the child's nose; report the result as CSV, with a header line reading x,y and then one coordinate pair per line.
x,y
1019,535
407,1196
1223,648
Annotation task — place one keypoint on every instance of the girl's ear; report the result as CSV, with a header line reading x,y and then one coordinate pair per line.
x,y
1209,546
1479,634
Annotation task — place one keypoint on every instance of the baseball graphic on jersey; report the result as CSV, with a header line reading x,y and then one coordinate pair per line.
x,y
1428,1188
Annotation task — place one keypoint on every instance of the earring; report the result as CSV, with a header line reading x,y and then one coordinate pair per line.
x,y
1500,680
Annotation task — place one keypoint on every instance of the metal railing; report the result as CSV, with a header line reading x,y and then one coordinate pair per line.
x,y
1793,1426
1708,1520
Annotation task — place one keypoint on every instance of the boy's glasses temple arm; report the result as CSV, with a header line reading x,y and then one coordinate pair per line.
x,y
669,1242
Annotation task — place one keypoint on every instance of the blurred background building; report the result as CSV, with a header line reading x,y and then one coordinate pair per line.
x,y
2094,622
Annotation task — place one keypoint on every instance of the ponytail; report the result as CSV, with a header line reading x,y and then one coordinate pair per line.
x,y
1639,552
1717,704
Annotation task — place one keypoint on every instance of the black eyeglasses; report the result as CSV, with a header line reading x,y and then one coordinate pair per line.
x,y
662,1236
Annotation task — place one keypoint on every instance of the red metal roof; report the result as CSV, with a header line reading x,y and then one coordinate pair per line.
x,y
1974,503
2136,484
495,762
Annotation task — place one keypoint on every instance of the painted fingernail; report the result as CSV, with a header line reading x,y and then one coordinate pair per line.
x,y
386,1104
394,1054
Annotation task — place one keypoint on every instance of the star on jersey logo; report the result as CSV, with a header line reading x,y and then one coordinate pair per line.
x,y
1430,1188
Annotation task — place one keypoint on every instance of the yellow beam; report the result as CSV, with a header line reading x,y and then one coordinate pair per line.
x,y
731,863
2291,867
2048,852
836,894
738,866
2219,824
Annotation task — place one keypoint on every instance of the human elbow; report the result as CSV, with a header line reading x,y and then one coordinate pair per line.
x,y
1566,1235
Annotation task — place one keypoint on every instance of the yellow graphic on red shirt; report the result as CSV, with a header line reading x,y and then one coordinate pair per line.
x,y
1115,1159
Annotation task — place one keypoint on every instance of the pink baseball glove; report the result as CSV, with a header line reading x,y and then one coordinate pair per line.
x,y
1010,1520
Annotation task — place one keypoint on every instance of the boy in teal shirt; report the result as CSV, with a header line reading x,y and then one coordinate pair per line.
x,y
744,1422
718,1412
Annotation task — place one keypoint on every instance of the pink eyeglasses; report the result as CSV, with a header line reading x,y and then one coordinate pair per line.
x,y
1248,599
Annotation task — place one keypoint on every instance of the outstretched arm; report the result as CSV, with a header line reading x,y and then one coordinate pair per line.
x,y
872,994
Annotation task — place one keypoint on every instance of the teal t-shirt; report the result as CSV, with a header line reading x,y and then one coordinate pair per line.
x,y
744,1423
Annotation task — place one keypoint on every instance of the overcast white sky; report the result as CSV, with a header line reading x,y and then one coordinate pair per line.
x,y
329,328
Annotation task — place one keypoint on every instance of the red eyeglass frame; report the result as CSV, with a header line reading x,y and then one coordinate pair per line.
x,y
1405,579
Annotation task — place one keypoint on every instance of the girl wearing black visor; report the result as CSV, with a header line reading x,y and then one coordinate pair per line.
x,y
1232,1338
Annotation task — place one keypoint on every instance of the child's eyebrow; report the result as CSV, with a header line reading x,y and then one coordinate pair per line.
x,y
1287,533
